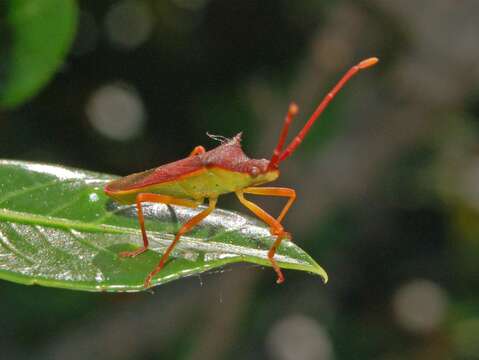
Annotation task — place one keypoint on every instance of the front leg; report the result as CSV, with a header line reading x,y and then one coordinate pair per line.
x,y
275,191
275,227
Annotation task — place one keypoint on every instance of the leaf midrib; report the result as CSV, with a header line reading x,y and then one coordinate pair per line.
x,y
50,221
35,219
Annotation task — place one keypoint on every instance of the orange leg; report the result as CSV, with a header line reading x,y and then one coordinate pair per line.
x,y
185,228
157,198
198,150
275,191
275,226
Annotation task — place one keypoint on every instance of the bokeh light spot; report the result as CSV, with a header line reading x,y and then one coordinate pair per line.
x,y
419,306
299,337
129,24
116,112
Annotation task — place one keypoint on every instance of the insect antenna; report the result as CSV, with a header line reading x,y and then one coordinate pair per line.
x,y
292,112
322,105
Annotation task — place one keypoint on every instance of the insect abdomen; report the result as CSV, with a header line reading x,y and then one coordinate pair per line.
x,y
207,182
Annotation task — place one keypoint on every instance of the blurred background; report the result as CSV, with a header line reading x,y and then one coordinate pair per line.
x,y
387,183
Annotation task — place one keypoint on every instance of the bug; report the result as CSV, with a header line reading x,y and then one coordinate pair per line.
x,y
224,169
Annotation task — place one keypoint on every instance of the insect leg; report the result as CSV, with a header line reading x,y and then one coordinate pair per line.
x,y
275,191
185,228
198,150
157,198
276,229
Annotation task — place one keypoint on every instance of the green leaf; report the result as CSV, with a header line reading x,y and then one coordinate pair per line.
x,y
58,228
34,38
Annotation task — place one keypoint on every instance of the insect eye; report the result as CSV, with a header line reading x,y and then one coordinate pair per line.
x,y
254,171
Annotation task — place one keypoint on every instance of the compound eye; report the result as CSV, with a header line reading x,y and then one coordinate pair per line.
x,y
254,171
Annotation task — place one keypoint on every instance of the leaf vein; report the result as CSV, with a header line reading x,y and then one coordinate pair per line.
x,y
10,247
26,190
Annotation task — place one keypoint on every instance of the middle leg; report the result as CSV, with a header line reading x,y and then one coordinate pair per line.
x,y
155,198
185,228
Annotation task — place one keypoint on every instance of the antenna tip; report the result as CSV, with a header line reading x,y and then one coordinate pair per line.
x,y
368,62
293,109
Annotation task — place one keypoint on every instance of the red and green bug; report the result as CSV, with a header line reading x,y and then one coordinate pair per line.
x,y
209,174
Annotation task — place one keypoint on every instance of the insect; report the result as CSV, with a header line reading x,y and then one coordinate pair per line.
x,y
224,169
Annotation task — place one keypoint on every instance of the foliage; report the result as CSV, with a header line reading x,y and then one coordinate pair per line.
x,y
34,38
58,228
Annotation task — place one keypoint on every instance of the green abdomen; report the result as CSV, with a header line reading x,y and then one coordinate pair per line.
x,y
204,183
211,182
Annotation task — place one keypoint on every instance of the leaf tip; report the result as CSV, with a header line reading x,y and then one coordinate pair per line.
x,y
321,272
324,275
325,278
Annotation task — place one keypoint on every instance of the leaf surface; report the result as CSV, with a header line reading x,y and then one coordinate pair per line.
x,y
58,228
